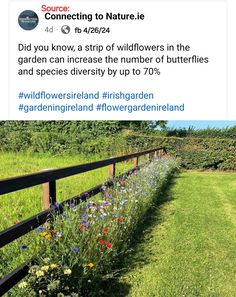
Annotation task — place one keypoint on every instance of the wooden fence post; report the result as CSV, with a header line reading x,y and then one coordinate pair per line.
x,y
136,162
150,157
49,193
112,170
165,151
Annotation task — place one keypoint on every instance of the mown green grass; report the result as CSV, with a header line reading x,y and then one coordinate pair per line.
x,y
187,244
20,205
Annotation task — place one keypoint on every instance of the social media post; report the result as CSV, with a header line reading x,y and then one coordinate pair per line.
x,y
74,60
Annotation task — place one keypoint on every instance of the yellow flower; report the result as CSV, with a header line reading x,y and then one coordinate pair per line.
x,y
43,233
90,265
67,271
47,235
45,268
22,285
54,266
39,273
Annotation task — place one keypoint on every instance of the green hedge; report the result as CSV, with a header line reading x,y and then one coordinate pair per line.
x,y
195,153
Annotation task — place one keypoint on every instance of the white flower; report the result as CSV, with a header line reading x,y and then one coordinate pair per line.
x,y
67,271
22,285
39,273
46,260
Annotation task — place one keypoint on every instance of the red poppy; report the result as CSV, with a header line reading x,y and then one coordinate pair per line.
x,y
101,241
120,219
105,230
109,245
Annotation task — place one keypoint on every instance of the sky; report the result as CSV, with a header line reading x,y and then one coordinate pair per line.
x,y
201,124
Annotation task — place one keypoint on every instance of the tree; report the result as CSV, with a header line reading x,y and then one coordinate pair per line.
x,y
142,125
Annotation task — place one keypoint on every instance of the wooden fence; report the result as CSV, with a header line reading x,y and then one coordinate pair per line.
x,y
48,178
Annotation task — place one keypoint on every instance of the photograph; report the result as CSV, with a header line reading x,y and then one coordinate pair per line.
x,y
107,208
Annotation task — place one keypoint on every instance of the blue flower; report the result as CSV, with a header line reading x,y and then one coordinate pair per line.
x,y
83,207
75,250
57,204
72,205
40,228
84,215
24,246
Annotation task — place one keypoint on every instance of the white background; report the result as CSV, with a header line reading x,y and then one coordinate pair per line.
x,y
202,88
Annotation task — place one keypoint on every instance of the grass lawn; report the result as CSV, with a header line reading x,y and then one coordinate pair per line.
x,y
187,244
20,205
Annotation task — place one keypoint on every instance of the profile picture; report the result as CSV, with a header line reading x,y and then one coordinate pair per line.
x,y
28,20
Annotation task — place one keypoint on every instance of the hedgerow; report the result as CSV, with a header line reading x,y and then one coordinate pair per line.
x,y
201,149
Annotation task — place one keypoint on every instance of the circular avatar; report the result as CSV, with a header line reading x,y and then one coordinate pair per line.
x,y
28,20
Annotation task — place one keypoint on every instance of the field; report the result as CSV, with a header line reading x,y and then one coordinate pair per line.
x,y
187,245
29,202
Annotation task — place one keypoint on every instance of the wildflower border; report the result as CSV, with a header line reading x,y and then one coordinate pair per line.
x,y
21,182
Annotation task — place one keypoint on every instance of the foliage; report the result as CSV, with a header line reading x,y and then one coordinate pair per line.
x,y
195,153
228,132
199,149
142,125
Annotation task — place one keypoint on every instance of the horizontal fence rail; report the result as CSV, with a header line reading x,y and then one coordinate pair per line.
x,y
48,178
26,181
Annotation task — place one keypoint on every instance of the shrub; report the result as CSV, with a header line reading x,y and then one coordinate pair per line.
x,y
195,153
198,149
